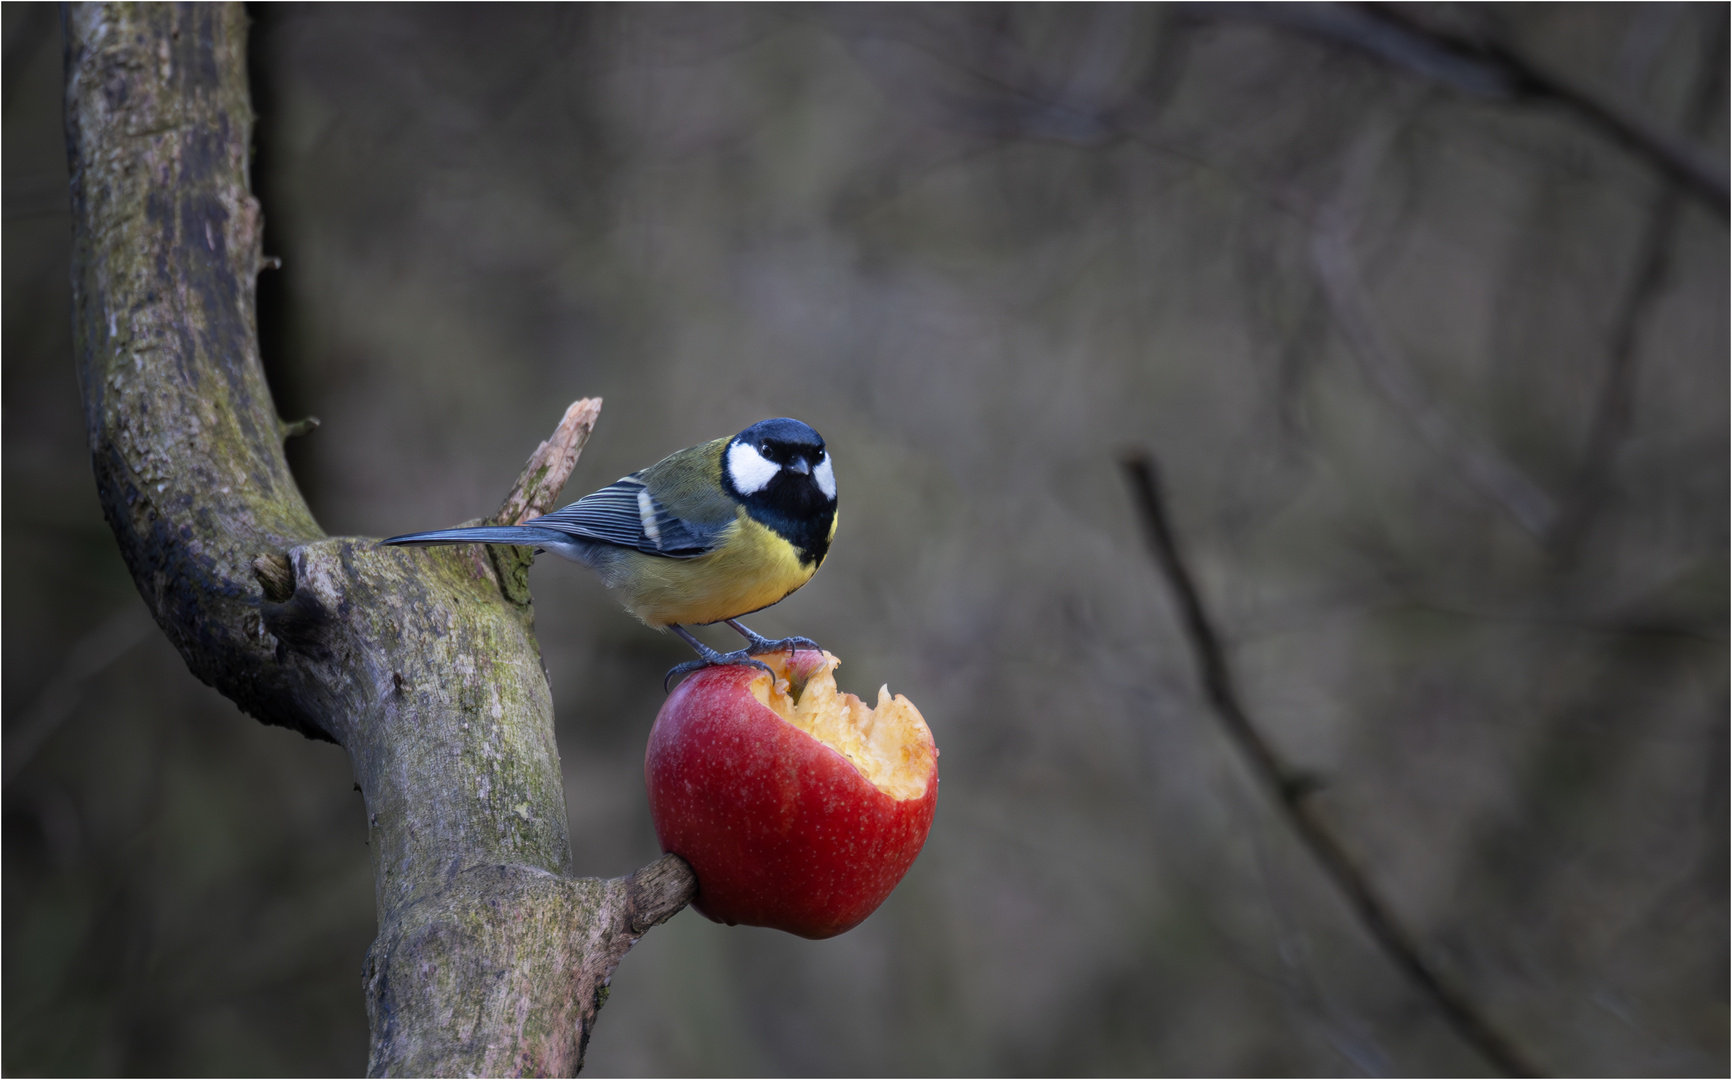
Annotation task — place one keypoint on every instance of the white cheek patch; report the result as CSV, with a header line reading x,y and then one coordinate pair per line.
x,y
750,471
826,477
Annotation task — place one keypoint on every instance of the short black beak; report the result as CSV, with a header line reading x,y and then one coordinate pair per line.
x,y
801,466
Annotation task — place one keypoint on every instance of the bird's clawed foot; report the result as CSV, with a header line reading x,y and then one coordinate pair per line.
x,y
742,657
710,658
758,644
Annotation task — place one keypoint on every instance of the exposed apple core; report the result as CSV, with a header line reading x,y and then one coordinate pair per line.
x,y
891,745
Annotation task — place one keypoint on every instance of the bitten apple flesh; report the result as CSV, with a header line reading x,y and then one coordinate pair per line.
x,y
799,808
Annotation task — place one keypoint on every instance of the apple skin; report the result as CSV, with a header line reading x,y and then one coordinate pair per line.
x,y
781,830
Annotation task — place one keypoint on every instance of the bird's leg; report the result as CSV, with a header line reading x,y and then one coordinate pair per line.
x,y
759,644
711,658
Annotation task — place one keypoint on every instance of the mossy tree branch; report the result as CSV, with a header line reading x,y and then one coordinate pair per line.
x,y
422,664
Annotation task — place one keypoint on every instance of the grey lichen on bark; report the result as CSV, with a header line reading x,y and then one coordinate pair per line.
x,y
421,663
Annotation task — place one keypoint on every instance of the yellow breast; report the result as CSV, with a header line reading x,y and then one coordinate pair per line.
x,y
751,569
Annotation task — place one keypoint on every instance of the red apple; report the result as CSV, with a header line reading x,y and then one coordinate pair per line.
x,y
798,808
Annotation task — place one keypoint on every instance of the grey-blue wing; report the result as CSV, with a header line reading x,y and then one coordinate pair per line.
x,y
625,514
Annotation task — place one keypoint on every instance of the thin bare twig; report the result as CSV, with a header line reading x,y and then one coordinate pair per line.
x,y
1487,66
1615,407
1686,163
1338,274
1290,789
112,639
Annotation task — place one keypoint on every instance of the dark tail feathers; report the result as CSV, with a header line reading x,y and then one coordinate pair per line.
x,y
526,535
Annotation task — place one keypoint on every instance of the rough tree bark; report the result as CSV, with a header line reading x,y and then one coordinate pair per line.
x,y
422,664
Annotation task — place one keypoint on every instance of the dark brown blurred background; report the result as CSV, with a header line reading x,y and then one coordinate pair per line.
x,y
1438,379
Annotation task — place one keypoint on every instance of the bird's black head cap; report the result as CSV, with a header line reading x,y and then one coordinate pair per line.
x,y
780,470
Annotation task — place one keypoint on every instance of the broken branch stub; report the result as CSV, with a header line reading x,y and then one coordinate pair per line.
x,y
537,489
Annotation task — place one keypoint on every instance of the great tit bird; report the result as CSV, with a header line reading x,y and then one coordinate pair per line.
x,y
707,534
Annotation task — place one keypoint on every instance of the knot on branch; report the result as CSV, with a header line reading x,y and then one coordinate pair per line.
x,y
276,575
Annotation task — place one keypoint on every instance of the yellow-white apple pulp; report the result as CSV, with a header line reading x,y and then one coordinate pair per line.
x,y
891,745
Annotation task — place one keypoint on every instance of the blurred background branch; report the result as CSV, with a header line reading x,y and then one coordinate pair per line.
x,y
1294,791
1341,282
1464,49
112,639
1614,408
